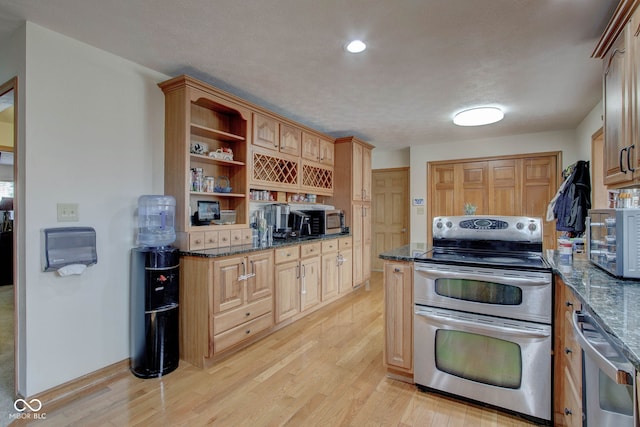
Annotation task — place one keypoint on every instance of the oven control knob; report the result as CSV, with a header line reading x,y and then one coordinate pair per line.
x,y
533,227
439,225
519,226
449,224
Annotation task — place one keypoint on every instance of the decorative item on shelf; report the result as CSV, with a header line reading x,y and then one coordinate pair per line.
x,y
199,148
209,184
223,185
222,154
470,209
197,179
227,217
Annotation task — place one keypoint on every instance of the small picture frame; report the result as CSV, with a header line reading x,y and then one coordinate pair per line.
x,y
208,211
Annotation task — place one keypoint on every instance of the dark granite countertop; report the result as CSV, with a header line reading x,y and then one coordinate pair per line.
x,y
240,249
613,302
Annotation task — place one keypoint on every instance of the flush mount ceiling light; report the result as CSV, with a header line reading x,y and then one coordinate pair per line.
x,y
356,46
478,116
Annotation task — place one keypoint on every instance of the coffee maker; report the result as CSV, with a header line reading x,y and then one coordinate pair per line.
x,y
277,216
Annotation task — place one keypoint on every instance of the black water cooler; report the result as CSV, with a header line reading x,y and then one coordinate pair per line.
x,y
155,348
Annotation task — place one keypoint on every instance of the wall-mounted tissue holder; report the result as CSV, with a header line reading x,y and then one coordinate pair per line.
x,y
68,250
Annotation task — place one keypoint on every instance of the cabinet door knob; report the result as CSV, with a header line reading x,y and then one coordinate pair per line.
x,y
248,314
568,304
248,331
567,350
567,411
397,270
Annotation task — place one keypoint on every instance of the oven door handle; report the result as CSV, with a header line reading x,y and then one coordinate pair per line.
x,y
470,326
437,274
621,373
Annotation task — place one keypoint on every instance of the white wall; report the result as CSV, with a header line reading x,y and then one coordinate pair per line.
x,y
564,141
95,137
385,159
584,132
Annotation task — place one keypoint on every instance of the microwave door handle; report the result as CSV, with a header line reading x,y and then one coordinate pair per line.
x,y
614,371
528,281
471,326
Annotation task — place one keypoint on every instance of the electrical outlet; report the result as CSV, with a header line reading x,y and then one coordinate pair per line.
x,y
68,212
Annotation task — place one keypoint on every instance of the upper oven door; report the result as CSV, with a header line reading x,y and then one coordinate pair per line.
x,y
525,295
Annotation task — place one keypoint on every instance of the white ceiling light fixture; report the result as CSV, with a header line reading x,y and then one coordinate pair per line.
x,y
478,116
356,46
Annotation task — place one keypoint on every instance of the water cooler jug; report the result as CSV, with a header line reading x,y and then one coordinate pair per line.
x,y
155,349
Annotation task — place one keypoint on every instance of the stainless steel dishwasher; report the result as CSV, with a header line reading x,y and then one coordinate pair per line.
x,y
608,380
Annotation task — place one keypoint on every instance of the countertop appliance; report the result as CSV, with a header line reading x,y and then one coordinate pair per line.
x,y
300,223
277,216
482,313
613,240
608,378
324,222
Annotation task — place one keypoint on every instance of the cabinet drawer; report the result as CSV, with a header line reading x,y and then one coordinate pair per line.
x,y
240,333
572,399
571,350
247,236
196,241
224,239
345,243
330,246
236,237
237,316
310,249
289,253
210,239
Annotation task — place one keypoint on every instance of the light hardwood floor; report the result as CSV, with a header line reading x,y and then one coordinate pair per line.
x,y
324,370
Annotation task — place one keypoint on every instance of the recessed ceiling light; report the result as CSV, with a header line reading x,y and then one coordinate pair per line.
x,y
478,116
356,46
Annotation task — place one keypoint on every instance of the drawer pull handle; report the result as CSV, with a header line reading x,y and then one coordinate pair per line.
x,y
248,314
248,331
567,350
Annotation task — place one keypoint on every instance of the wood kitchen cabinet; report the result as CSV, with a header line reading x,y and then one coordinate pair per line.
x,y
269,133
224,302
353,168
298,280
619,49
199,120
567,380
509,185
398,318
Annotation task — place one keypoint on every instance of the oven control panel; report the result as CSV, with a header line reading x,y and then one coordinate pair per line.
x,y
486,227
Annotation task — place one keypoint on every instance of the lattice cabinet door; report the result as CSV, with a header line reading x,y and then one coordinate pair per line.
x,y
270,170
317,179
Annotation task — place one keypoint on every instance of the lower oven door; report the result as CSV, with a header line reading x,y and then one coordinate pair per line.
x,y
501,362
515,294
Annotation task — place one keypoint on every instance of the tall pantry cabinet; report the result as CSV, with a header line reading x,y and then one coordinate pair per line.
x,y
352,192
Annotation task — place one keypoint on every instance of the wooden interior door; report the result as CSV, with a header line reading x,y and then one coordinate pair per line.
x,y
390,216
539,185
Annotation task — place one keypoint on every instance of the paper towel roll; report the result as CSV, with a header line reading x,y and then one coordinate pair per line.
x,y
70,269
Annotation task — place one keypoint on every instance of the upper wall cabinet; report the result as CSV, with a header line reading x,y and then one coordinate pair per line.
x,y
271,134
619,48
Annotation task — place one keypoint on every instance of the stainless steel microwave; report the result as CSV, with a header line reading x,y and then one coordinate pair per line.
x,y
613,240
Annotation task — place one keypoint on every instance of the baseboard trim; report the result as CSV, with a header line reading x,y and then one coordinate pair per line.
x,y
58,396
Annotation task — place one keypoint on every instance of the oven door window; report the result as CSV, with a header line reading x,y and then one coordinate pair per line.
x,y
479,291
479,358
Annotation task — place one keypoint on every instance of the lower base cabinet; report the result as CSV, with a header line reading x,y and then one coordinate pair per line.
x,y
567,361
227,303
398,316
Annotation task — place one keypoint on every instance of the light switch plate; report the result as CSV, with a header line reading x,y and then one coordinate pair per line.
x,y
68,212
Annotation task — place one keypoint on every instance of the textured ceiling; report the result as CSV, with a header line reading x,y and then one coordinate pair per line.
x,y
427,59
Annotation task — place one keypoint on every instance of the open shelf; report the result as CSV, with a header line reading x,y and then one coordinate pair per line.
x,y
207,159
219,135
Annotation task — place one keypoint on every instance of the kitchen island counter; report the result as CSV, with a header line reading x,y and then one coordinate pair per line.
x,y
613,302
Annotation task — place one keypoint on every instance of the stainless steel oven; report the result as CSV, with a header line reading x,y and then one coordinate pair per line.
x,y
482,313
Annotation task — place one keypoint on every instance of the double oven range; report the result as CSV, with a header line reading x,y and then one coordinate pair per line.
x,y
482,313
